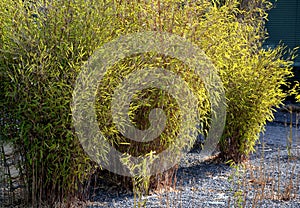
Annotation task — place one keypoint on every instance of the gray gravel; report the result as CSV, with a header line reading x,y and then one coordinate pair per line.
x,y
210,184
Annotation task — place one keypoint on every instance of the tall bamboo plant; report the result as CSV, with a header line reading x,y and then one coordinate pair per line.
x,y
44,45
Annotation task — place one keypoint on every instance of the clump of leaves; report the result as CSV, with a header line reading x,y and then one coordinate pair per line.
x,y
43,46
252,75
232,34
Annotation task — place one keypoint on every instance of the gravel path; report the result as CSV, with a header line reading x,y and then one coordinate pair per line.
x,y
275,182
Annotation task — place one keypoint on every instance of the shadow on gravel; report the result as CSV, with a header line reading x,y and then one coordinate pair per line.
x,y
203,170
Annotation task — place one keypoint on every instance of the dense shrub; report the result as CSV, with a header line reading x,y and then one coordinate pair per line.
x,y
252,75
44,45
232,34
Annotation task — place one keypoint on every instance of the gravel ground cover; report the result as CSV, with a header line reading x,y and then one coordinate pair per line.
x,y
269,179
209,184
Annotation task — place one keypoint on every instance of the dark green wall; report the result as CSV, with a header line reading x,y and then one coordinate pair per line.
x,y
284,24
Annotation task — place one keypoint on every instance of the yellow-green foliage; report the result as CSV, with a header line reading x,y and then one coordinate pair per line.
x,y
44,44
231,33
251,75
146,100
